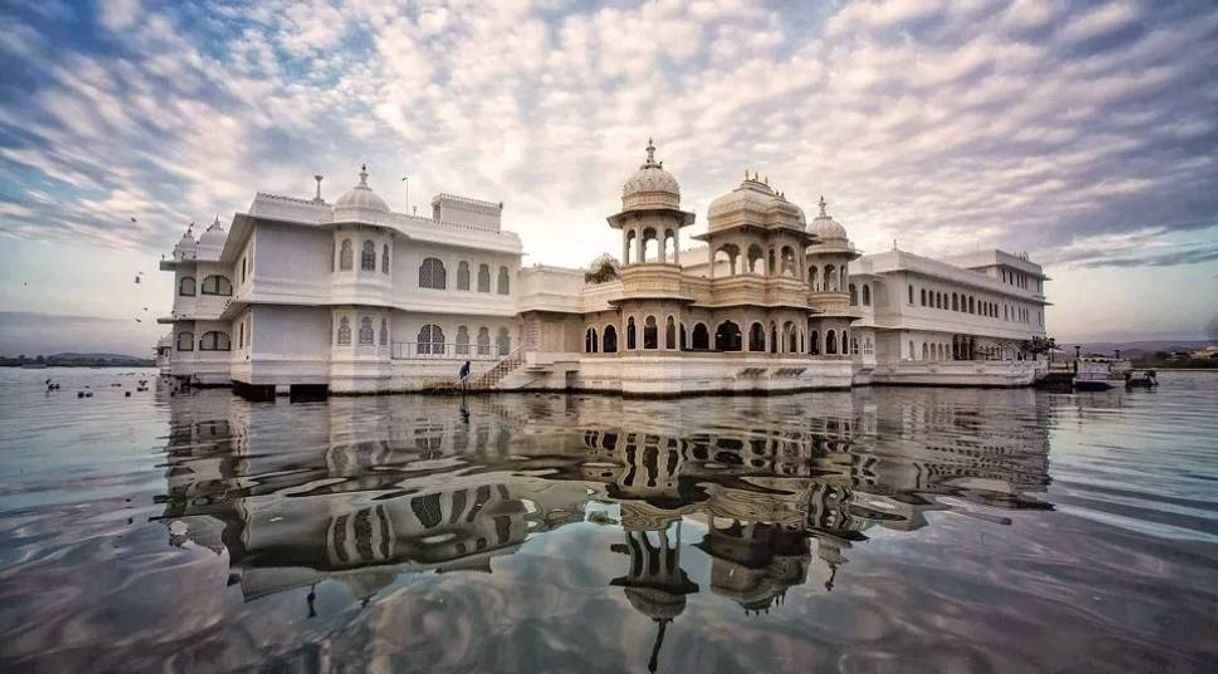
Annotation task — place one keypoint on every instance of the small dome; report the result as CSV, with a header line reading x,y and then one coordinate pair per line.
x,y
825,227
362,197
651,185
214,236
187,245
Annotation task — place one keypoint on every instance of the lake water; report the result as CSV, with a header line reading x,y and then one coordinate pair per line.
x,y
881,529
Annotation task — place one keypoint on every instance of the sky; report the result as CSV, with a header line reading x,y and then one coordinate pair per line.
x,y
1085,133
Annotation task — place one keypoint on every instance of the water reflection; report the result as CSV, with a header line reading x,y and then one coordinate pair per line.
x,y
364,491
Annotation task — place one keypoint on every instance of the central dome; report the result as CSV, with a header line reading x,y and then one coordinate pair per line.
x,y
362,197
651,185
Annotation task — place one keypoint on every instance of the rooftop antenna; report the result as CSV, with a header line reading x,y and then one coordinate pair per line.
x,y
317,199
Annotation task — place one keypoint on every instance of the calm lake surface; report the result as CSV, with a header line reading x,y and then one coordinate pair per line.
x,y
881,529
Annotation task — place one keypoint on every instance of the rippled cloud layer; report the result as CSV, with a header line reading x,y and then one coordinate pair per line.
x,y
1082,132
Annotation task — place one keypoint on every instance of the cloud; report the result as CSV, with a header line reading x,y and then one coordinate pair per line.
x,y
1033,125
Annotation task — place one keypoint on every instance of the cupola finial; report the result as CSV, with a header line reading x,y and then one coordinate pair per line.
x,y
651,151
363,175
822,203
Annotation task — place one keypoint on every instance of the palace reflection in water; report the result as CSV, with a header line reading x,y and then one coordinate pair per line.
x,y
365,490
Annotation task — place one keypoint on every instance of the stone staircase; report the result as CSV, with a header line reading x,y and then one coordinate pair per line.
x,y
490,379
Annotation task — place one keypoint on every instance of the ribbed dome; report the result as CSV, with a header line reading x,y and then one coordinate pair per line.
x,y
651,185
362,197
214,236
825,227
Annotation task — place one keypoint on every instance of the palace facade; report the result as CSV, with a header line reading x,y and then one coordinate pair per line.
x,y
351,297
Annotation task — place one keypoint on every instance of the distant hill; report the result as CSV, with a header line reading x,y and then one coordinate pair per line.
x,y
1136,348
72,359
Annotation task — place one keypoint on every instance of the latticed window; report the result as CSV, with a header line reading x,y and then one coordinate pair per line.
x,y
463,335
186,341
367,259
385,259
484,278
505,281
346,256
366,336
431,274
650,336
431,340
384,332
344,331
504,342
463,275
186,287
484,342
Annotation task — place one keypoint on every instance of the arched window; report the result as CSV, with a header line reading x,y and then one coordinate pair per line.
x,y
484,341
346,256
504,342
186,286
924,297
955,302
431,274
814,343
700,339
385,259
630,335
727,337
924,351
216,285
367,259
670,334
788,261
681,333
186,341
590,341
868,347
756,260
366,335
911,295
971,307
812,280
830,279
484,278
431,340
651,337
629,251
792,337
462,340
609,339
651,246
462,275
854,295
912,355
866,295
384,332
215,341
756,337
333,253
505,283
344,331
830,343
854,346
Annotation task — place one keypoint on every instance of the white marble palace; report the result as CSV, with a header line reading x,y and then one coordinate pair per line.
x,y
351,297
